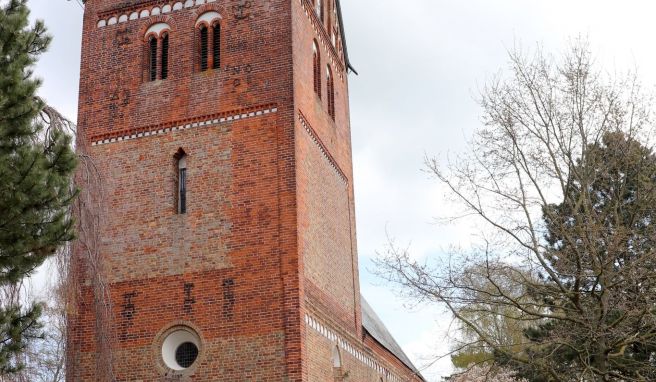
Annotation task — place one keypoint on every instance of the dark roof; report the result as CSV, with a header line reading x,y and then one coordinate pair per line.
x,y
343,33
376,329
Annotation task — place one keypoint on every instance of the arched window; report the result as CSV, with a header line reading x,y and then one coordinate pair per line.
x,y
181,189
208,28
331,92
157,52
316,62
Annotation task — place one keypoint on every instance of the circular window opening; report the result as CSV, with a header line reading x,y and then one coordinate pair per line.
x,y
186,354
180,349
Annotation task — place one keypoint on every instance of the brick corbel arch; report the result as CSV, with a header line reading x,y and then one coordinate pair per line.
x,y
157,19
209,7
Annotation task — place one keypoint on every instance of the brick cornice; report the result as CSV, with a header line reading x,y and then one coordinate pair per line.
x,y
315,137
146,9
131,8
189,123
351,346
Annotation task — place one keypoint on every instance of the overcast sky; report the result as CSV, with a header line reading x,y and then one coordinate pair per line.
x,y
420,63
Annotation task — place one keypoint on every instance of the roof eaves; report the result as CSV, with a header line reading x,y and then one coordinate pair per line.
x,y
343,35
413,368
376,329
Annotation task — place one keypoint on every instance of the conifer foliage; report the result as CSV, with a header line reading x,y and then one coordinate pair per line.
x,y
36,168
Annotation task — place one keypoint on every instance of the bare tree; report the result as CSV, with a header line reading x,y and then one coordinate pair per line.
x,y
563,179
44,359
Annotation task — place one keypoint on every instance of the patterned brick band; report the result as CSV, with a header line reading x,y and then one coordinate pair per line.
x,y
322,147
145,10
212,120
344,344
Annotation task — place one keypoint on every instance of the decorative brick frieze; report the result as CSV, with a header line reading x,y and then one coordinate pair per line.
x,y
347,345
145,10
206,121
324,151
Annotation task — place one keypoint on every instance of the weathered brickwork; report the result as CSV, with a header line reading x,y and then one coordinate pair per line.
x,y
324,218
358,360
268,237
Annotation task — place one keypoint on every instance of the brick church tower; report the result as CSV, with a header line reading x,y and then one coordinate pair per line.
x,y
220,131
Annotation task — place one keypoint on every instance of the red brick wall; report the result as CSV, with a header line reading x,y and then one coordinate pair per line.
x,y
114,95
325,235
326,208
235,249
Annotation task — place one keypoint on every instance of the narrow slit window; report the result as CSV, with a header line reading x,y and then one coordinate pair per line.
x,y
316,69
152,59
203,48
331,93
165,57
216,46
182,184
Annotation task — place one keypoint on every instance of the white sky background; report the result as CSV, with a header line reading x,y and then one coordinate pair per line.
x,y
420,63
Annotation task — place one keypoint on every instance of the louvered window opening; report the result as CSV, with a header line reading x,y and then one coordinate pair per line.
x,y
317,72
331,95
165,57
216,46
152,56
203,48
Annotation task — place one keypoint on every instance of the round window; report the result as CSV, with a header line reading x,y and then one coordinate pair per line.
x,y
180,349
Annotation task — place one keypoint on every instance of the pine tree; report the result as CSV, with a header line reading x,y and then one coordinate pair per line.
x,y
36,168
608,217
